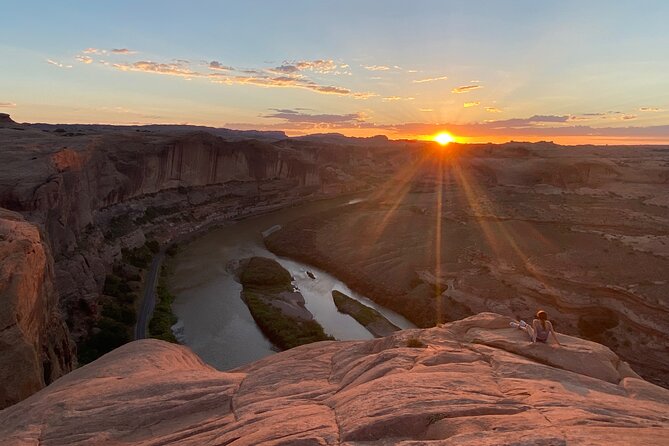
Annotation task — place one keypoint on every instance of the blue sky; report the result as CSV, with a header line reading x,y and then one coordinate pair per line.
x,y
569,71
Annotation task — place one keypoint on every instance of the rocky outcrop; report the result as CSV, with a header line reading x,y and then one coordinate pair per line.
x,y
6,119
35,347
477,382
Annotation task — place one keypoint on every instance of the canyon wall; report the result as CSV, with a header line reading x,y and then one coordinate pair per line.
x,y
35,347
88,193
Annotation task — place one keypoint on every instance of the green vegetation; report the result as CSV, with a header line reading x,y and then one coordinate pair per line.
x,y
172,250
118,306
267,274
117,322
160,326
141,257
284,332
361,313
263,279
153,212
415,343
368,317
119,226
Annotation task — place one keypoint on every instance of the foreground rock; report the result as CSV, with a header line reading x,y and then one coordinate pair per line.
x,y
368,317
477,382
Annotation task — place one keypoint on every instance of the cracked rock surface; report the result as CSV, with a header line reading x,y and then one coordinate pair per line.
x,y
477,382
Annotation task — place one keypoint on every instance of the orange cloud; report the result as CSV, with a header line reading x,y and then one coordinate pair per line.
x,y
471,104
376,67
172,69
493,110
465,88
84,59
122,51
430,79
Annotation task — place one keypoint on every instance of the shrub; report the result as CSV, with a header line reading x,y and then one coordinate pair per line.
x,y
415,343
160,326
284,332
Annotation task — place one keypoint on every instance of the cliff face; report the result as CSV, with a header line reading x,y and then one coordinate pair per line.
x,y
476,382
35,347
95,190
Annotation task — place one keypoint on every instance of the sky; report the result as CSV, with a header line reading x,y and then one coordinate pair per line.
x,y
572,72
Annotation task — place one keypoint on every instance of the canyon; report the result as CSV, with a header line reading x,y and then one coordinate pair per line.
x,y
442,234
82,194
581,232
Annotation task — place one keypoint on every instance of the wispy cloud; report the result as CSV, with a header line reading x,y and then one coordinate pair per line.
x,y
650,109
628,117
172,69
294,116
465,88
493,110
376,67
216,65
295,74
397,98
320,66
100,52
426,109
471,104
430,79
538,126
57,64
122,51
84,59
7,104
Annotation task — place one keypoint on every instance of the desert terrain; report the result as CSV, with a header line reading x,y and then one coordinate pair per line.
x,y
582,232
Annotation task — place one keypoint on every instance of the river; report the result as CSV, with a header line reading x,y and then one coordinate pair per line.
x,y
215,321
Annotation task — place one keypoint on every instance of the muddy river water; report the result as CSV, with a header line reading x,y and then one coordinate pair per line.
x,y
213,319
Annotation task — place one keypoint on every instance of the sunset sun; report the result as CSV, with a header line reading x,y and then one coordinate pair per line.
x,y
443,138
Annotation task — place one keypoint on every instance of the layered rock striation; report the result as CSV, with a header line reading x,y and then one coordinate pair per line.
x,y
35,346
91,191
477,382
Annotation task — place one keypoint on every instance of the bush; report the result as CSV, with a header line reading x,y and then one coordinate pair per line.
x,y
284,332
112,334
119,226
263,272
153,246
160,326
138,257
415,343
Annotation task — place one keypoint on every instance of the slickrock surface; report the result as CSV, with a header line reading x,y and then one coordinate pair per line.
x,y
478,382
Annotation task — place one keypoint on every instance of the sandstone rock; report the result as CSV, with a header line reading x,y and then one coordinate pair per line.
x,y
35,347
460,390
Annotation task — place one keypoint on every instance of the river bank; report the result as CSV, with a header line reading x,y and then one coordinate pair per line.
x,y
216,323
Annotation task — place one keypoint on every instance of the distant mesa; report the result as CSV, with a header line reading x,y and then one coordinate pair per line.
x,y
5,119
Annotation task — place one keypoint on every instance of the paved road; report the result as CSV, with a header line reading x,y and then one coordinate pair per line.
x,y
149,297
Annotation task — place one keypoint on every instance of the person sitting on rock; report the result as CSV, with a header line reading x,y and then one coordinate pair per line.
x,y
540,329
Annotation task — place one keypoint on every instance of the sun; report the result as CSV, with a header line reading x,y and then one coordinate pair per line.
x,y
443,138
